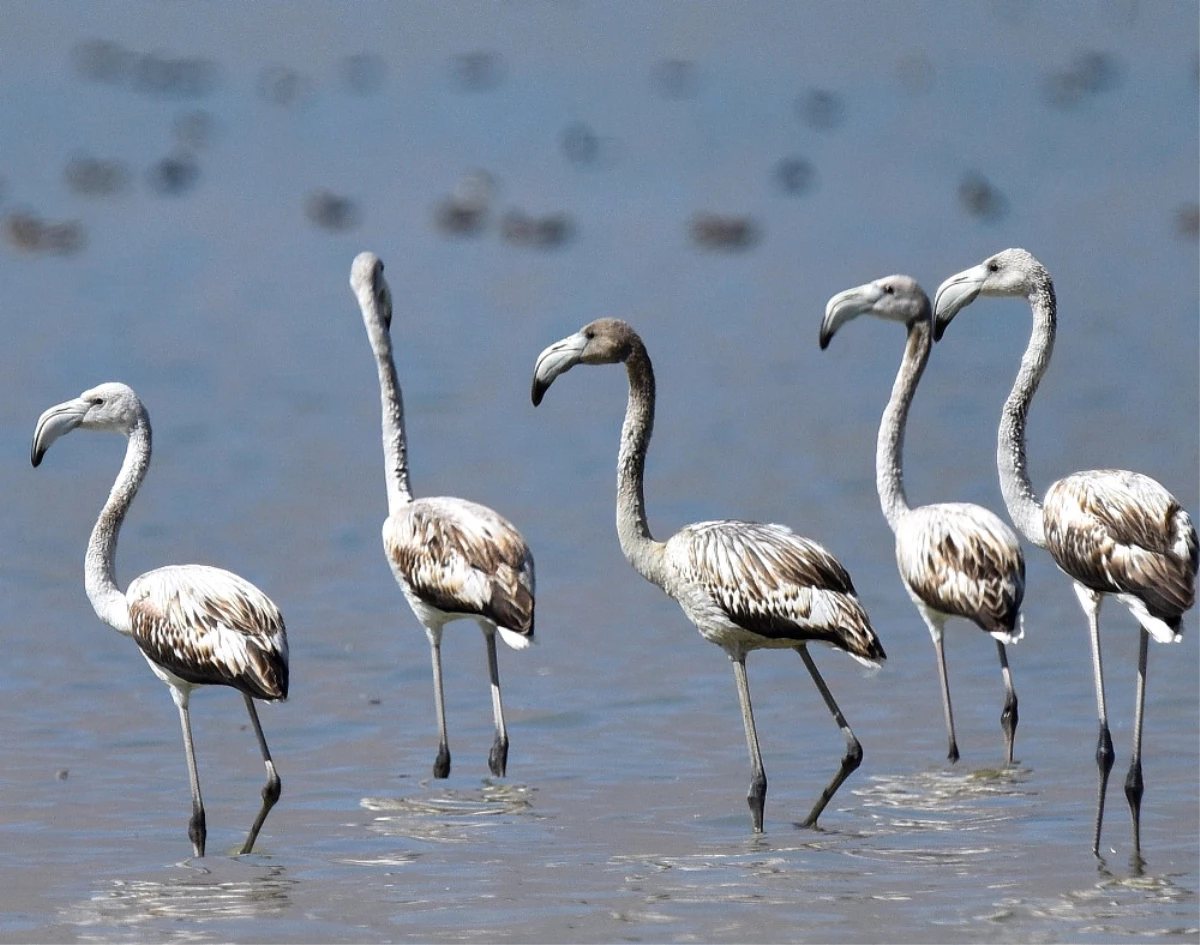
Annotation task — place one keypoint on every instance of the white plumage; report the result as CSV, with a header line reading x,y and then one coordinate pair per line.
x,y
956,559
208,626
195,625
750,585
745,585
452,558
1111,531
1121,533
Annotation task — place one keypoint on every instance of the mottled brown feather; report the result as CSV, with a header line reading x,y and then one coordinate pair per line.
x,y
961,560
463,558
779,585
1120,532
210,627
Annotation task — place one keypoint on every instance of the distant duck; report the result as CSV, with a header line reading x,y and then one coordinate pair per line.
x,y
713,231
465,212
545,232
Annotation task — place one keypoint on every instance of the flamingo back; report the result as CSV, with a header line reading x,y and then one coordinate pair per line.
x,y
1120,532
208,626
463,560
750,585
962,560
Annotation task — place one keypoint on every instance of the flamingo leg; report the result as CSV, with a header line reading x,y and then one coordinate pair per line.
x,y
1133,782
1105,755
498,757
854,753
441,766
757,796
1008,717
936,623
271,790
197,831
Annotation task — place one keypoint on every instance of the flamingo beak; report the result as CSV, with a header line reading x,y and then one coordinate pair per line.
x,y
557,359
58,421
845,306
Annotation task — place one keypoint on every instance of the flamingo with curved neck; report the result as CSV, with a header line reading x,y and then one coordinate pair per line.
x,y
744,585
1110,530
195,625
956,559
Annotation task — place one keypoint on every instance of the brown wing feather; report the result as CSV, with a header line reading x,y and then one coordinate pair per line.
x,y
210,627
777,584
463,558
1120,532
960,559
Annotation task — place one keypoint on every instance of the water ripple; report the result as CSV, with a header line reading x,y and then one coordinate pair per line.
x,y
199,896
450,815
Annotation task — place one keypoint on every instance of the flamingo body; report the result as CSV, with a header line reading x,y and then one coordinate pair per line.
x,y
195,625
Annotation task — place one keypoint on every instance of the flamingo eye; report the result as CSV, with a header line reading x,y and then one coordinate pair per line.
x,y
993,267
889,289
590,334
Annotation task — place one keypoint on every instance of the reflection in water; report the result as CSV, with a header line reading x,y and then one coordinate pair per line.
x,y
926,818
958,802
667,880
450,815
198,895
1108,907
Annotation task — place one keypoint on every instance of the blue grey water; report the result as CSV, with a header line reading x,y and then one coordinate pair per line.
x,y
182,189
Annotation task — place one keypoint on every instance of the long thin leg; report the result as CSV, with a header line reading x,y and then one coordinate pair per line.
x,y
441,767
1090,601
935,631
757,796
271,790
854,753
197,831
1008,717
1133,782
498,757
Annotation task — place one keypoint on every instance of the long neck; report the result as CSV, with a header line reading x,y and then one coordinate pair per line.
x,y
1023,506
395,446
99,567
889,449
640,548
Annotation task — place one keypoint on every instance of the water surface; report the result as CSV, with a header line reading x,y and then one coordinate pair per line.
x,y
215,284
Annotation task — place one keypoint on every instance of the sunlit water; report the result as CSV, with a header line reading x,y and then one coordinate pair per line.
x,y
202,257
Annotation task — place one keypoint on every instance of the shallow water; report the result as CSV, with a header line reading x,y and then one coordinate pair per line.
x,y
216,286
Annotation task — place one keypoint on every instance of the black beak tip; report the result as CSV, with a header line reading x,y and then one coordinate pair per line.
x,y
939,329
35,457
537,392
825,340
